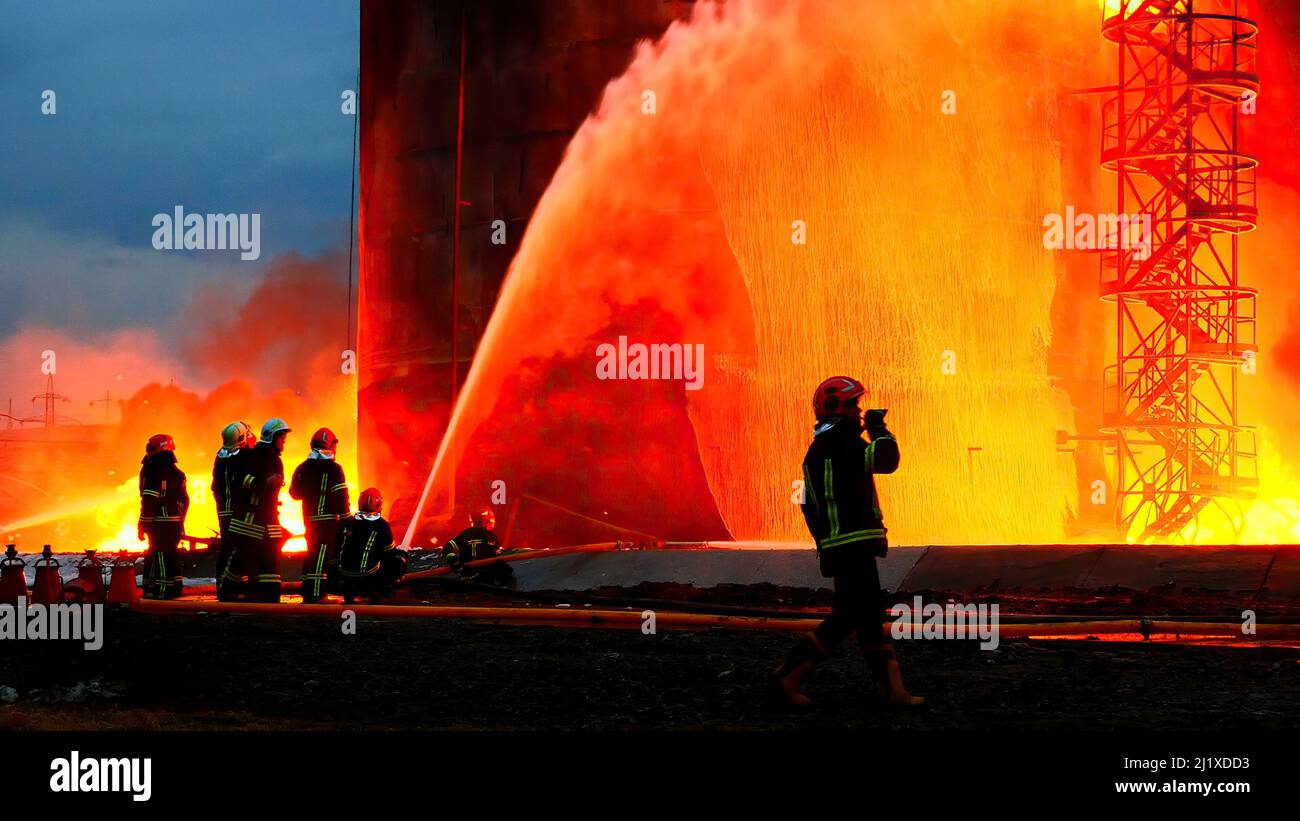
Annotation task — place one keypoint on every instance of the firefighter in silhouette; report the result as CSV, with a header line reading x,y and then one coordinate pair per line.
x,y
237,440
164,500
843,515
321,487
369,560
478,541
255,519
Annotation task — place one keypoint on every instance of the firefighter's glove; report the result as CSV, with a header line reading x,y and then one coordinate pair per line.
x,y
876,422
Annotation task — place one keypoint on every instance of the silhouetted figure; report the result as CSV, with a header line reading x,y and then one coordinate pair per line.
x,y
476,542
842,512
369,561
164,501
320,485
237,440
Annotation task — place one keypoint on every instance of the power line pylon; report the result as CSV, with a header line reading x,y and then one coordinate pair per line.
x,y
50,397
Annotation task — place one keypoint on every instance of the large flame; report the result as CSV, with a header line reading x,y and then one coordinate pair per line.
x,y
107,521
336,410
279,364
923,270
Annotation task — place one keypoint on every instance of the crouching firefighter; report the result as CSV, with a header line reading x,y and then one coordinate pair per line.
x,y
369,561
320,485
237,440
164,500
843,515
478,541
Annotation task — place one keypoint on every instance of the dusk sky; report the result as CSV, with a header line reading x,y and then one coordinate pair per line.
x,y
229,107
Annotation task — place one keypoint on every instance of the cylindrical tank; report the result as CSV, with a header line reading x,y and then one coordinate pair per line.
x,y
533,71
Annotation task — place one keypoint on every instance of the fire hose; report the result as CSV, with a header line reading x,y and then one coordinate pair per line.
x,y
523,556
635,619
674,614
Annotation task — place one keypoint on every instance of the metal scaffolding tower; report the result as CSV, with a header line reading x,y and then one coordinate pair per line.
x,y
1185,326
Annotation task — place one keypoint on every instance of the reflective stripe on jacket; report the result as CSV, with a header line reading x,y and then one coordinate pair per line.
x,y
840,505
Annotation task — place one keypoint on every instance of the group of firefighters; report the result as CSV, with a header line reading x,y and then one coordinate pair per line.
x,y
357,555
349,554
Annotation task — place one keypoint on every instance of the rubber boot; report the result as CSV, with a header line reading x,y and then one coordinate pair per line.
x,y
889,679
787,679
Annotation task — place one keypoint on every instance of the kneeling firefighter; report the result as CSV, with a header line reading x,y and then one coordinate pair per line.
x,y
478,541
369,561
237,440
164,500
842,512
320,485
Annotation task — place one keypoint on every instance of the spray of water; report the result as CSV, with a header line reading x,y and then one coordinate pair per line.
x,y
923,270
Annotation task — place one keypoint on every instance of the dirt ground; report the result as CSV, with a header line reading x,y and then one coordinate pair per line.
x,y
226,671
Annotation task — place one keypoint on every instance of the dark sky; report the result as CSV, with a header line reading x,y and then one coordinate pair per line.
x,y
223,107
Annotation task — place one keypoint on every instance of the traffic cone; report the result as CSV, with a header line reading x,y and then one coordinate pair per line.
x,y
88,587
13,582
47,588
122,588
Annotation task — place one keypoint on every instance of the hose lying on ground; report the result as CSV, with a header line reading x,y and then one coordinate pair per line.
x,y
635,619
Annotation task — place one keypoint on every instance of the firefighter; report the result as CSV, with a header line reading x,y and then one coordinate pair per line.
x,y
237,440
478,541
843,515
268,478
369,561
321,487
255,519
164,500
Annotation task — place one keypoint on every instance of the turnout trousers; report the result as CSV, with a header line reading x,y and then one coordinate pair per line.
x,y
318,564
162,564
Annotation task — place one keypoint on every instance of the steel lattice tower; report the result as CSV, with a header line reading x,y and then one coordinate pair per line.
x,y
1184,325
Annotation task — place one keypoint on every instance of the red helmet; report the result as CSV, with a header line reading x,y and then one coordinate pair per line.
x,y
159,442
838,396
483,517
372,501
324,440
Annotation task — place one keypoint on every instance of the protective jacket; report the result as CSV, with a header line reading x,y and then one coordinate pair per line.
x,y
227,471
840,504
469,545
321,487
256,501
364,543
164,497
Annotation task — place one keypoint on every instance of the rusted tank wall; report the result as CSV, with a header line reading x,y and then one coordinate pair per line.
x,y
534,69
